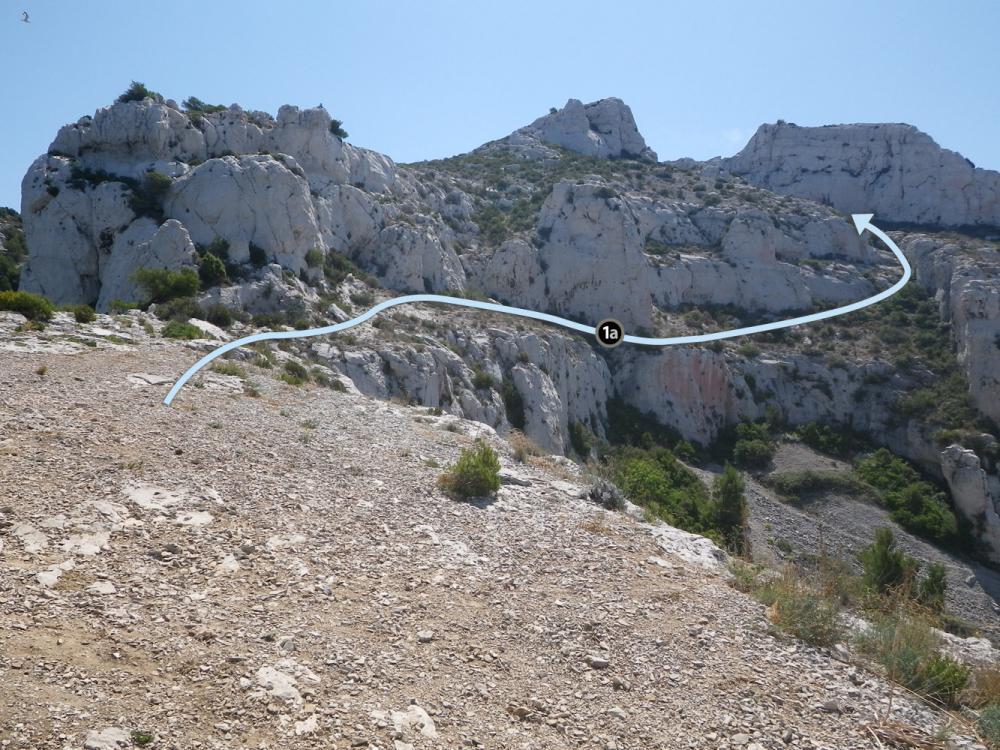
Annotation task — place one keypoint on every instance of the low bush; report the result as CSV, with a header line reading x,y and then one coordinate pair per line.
x,y
831,440
229,368
796,486
120,306
989,726
32,306
258,256
754,447
163,285
913,503
176,329
909,650
580,438
802,610
82,313
337,128
219,315
182,309
481,380
513,402
475,474
523,446
654,479
147,196
136,92
314,258
212,271
885,566
295,373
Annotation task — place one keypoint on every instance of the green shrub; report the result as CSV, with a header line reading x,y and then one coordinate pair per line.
x,y
119,306
886,567
32,306
258,256
476,473
834,441
989,726
147,196
229,368
194,104
219,315
136,92
796,486
362,299
211,271
295,373
83,313
481,380
580,438
337,266
314,258
163,285
802,610
908,649
181,308
175,329
731,509
337,128
654,479
931,588
913,503
514,404
753,454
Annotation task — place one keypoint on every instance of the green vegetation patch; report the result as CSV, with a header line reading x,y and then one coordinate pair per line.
x,y
475,474
32,306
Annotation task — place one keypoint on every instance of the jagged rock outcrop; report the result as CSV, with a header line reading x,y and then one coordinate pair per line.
x,y
605,129
893,170
975,492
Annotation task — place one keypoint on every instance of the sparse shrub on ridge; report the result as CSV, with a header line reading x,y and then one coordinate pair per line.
x,y
476,472
136,92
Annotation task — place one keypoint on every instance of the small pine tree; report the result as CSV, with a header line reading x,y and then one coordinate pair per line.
x,y
886,567
731,509
931,588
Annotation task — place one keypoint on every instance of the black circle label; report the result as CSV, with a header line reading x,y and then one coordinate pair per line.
x,y
609,332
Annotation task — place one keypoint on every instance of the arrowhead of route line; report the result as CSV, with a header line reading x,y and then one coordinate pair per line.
x,y
862,221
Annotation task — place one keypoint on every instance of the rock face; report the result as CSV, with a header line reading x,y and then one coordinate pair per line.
x,y
967,284
284,186
893,170
975,492
605,129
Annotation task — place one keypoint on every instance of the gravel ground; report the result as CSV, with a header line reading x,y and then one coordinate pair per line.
x,y
281,572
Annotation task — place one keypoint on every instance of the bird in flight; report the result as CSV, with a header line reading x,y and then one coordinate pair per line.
x,y
24,17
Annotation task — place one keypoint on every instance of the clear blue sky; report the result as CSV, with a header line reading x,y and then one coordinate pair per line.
x,y
419,80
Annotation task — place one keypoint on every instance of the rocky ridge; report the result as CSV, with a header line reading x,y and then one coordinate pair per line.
x,y
893,170
558,216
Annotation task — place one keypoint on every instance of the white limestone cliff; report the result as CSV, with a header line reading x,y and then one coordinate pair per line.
x,y
892,170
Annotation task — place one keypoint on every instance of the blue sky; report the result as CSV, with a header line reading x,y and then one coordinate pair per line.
x,y
420,80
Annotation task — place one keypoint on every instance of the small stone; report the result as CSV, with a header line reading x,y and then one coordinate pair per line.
x,y
618,712
598,662
739,739
425,636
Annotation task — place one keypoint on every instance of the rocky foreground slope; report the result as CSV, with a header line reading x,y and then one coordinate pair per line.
x,y
281,571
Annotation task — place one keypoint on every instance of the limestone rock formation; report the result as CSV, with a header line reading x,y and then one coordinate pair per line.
x,y
605,129
975,492
893,170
